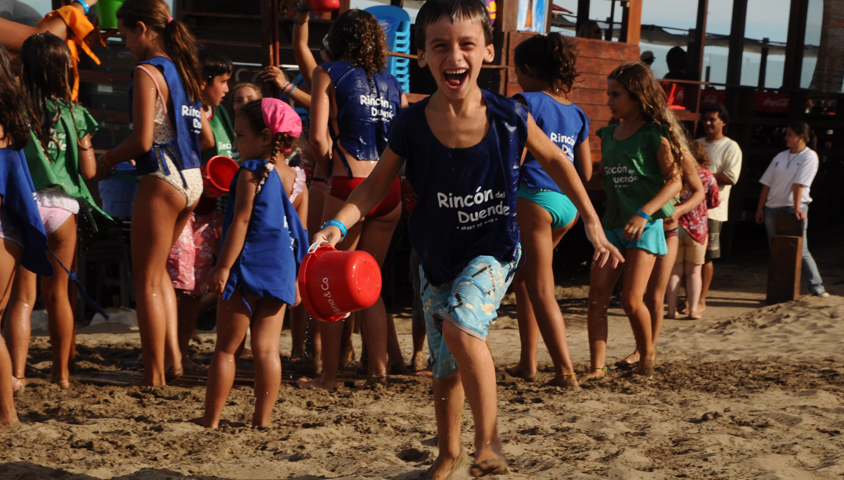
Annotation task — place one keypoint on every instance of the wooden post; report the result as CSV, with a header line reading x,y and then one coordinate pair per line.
x,y
763,63
269,43
582,14
696,53
786,260
795,44
508,15
737,29
633,23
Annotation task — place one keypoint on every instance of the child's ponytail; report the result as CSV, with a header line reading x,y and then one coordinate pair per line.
x,y
180,43
551,58
12,116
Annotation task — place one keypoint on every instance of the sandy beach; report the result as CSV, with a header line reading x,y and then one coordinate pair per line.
x,y
750,391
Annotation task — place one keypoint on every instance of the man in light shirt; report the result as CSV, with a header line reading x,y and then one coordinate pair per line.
x,y
725,155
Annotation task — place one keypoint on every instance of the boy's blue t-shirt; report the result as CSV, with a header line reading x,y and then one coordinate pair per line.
x,y
365,109
566,125
466,203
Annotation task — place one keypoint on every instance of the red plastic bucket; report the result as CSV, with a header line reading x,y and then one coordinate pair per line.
x,y
217,175
321,6
333,283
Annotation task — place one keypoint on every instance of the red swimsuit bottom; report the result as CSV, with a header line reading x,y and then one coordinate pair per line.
x,y
341,187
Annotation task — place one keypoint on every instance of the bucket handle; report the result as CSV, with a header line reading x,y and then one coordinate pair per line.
x,y
315,245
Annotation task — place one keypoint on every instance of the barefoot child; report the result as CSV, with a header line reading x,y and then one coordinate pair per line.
x,y
641,174
192,256
263,243
693,234
463,147
545,69
165,142
60,159
20,222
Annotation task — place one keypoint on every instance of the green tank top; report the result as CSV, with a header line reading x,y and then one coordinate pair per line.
x,y
223,136
58,167
631,174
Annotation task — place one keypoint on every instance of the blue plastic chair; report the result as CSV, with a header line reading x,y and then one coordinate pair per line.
x,y
396,24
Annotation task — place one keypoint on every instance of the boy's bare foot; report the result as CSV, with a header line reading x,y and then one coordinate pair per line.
x,y
491,466
208,423
566,380
517,371
317,383
445,467
597,372
695,315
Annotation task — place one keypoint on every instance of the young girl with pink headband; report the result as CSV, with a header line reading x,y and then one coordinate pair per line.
x,y
263,243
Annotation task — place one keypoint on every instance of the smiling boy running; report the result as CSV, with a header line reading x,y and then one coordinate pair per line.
x,y
463,148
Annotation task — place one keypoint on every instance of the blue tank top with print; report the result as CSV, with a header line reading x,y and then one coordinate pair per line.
x,y
566,125
466,203
186,115
275,242
365,109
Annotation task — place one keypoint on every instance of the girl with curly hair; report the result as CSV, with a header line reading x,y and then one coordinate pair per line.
x,y
545,70
353,102
641,171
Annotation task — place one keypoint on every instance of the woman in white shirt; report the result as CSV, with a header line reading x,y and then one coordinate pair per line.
x,y
786,183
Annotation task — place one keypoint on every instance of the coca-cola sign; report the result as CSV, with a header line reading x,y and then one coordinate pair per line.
x,y
771,102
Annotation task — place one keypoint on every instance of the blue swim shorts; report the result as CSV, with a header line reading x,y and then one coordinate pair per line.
x,y
558,205
470,302
652,239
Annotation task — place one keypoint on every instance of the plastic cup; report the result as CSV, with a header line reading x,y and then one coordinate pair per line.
x,y
107,13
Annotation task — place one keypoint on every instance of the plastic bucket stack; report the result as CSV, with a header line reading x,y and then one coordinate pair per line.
x,y
395,22
333,283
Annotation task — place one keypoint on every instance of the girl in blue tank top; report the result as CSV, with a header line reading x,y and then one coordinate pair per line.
x,y
545,70
354,101
167,138
262,245
23,240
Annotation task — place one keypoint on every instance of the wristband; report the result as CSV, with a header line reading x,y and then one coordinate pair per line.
x,y
84,5
291,90
642,214
339,225
284,89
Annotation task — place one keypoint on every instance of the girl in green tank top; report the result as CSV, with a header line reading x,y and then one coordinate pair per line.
x,y
641,174
60,158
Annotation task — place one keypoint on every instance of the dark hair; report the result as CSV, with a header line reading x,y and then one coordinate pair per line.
x,y
643,89
180,44
213,64
12,116
356,36
281,141
699,153
677,59
467,10
550,57
802,128
46,74
718,108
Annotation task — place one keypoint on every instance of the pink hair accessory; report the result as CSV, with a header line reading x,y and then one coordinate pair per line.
x,y
170,20
280,117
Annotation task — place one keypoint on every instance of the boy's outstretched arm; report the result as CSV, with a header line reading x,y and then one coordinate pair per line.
x,y
562,171
365,197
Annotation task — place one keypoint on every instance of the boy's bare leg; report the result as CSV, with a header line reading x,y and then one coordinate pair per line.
x,y
395,359
417,361
448,408
478,379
